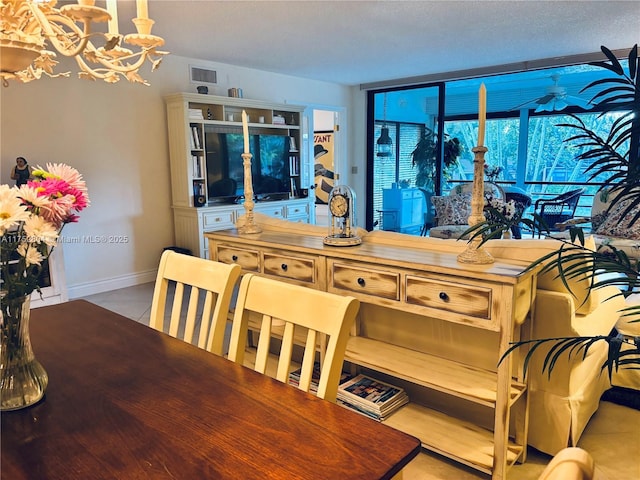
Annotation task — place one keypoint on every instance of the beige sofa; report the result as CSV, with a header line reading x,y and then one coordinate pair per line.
x,y
562,404
609,229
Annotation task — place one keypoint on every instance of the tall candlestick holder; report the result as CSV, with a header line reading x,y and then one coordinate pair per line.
x,y
474,252
249,225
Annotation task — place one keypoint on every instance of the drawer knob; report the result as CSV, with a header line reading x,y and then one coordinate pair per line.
x,y
234,258
361,282
284,267
443,296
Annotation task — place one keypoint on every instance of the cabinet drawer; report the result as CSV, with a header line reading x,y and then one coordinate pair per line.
x,y
297,210
247,259
272,210
471,300
366,280
296,268
217,220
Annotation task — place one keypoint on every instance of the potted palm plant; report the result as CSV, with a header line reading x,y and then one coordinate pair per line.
x,y
616,158
424,158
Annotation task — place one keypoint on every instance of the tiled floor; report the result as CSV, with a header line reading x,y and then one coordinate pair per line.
x,y
612,436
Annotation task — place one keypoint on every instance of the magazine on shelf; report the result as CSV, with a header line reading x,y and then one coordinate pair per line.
x,y
294,377
372,397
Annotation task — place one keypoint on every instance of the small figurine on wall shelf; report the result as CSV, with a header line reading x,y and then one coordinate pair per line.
x,y
21,172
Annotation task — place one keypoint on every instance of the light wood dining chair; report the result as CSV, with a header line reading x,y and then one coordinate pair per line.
x,y
319,313
213,279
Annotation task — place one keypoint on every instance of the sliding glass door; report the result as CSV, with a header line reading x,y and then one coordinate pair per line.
x,y
403,119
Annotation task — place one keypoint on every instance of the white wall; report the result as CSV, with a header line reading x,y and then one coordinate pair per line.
x,y
358,149
115,135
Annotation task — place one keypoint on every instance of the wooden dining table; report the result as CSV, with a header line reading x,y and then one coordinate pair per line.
x,y
125,401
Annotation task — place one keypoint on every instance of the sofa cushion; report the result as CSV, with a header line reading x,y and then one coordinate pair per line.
x,y
452,209
629,246
615,224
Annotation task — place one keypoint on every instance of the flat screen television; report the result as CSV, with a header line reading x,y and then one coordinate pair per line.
x,y
225,171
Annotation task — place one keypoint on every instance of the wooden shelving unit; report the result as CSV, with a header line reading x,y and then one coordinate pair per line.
x,y
465,404
474,384
190,117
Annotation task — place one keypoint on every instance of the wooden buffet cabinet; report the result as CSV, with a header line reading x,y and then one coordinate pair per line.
x,y
427,322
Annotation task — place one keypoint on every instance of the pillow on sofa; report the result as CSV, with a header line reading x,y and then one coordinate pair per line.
x,y
452,209
617,225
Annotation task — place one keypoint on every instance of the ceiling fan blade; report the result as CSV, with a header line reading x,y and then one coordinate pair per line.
x,y
532,104
545,99
545,107
578,102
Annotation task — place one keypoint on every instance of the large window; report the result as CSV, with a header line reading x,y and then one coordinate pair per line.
x,y
549,166
502,142
523,136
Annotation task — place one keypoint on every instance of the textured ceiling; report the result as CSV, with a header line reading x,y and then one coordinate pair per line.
x,y
355,42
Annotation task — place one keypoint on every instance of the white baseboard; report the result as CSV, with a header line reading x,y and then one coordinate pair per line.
x,y
108,284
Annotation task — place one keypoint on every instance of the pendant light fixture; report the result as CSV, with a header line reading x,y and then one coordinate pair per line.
x,y
384,142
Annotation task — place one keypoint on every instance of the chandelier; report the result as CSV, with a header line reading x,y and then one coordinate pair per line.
x,y
30,29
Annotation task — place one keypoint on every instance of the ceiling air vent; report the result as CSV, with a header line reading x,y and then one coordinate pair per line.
x,y
202,75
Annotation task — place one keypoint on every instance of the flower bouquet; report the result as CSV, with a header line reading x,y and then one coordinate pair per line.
x,y
498,211
31,219
500,217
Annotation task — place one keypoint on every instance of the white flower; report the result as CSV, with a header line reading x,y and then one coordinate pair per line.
x,y
31,254
29,195
11,209
37,229
510,209
7,192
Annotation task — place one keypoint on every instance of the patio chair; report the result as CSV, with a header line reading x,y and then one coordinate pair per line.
x,y
558,209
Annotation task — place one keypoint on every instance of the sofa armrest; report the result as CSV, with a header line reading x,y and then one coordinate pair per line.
x,y
572,222
555,314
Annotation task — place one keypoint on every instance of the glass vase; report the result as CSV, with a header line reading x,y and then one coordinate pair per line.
x,y
22,379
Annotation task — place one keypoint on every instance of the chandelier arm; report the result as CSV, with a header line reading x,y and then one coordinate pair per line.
x,y
52,30
115,67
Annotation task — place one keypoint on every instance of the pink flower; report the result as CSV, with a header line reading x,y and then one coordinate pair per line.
x,y
64,172
64,194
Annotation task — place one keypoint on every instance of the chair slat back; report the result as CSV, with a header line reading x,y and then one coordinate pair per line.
x,y
210,286
319,313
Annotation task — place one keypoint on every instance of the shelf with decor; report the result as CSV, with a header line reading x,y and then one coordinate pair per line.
x,y
207,174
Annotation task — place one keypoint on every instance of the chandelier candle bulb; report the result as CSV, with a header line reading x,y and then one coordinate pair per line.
x,y
142,9
245,132
482,113
112,8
